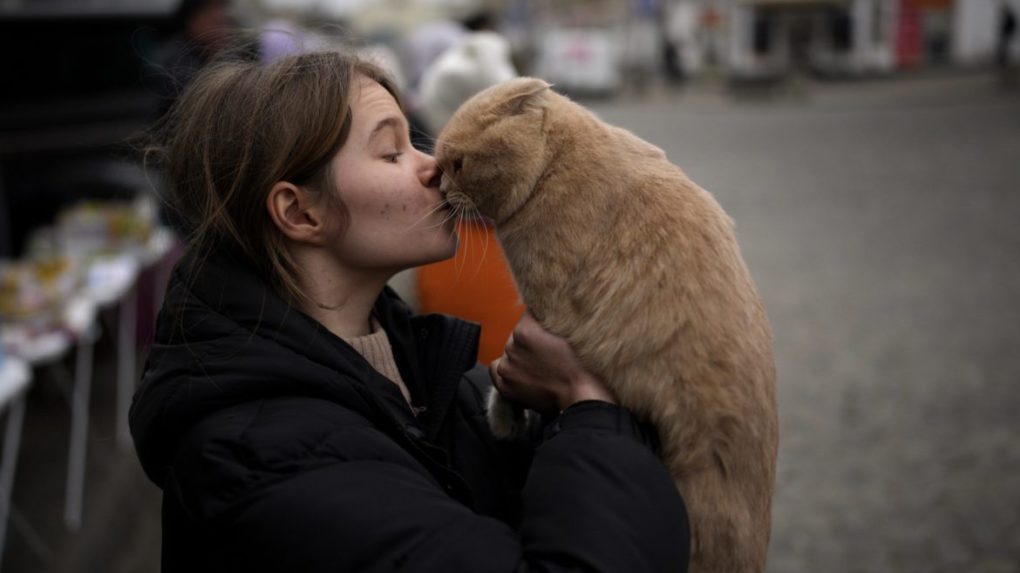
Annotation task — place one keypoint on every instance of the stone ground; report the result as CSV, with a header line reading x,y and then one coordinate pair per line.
x,y
880,221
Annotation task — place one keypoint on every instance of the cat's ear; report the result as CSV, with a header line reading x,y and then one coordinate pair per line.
x,y
525,95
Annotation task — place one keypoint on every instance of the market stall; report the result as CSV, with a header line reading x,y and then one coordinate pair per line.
x,y
89,262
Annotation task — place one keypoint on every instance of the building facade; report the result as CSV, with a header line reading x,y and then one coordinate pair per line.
x,y
767,38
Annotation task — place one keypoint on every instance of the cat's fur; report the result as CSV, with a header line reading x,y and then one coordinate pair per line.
x,y
615,249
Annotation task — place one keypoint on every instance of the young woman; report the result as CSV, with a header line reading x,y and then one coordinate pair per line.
x,y
299,418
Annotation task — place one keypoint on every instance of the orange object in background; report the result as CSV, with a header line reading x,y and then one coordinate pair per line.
x,y
475,285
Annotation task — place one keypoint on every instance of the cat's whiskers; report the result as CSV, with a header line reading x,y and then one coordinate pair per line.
x,y
414,226
451,215
462,253
477,222
468,212
441,205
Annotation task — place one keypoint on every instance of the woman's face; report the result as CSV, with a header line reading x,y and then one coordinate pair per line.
x,y
396,218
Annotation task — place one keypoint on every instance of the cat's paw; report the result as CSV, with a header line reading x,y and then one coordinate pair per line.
x,y
506,420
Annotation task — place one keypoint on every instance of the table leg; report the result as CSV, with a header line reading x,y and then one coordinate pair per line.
x,y
79,433
9,462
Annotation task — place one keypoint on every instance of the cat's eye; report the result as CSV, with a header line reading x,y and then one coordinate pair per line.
x,y
458,164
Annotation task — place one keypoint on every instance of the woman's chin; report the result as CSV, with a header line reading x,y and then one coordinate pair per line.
x,y
442,251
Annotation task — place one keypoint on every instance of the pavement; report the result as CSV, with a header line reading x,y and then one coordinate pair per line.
x,y
879,219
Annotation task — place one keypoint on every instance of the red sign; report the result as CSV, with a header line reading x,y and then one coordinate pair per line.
x,y
908,34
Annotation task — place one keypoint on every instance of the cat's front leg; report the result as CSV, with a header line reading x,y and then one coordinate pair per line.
x,y
506,419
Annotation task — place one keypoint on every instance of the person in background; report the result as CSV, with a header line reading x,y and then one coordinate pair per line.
x,y
299,417
202,29
433,41
1004,48
479,22
281,37
421,48
480,60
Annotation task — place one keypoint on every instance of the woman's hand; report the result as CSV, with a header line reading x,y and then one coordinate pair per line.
x,y
539,370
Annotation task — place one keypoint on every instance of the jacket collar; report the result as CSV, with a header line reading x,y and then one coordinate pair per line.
x,y
222,307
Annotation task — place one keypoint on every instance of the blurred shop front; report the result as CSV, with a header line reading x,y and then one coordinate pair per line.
x,y
850,38
924,32
770,38
595,46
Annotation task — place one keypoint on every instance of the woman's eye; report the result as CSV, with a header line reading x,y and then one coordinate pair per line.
x,y
392,157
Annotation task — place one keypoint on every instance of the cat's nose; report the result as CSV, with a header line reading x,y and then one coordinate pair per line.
x,y
436,180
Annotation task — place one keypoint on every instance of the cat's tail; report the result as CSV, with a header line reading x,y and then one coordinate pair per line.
x,y
728,534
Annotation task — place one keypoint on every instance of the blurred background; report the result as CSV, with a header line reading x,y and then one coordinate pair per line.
x,y
868,150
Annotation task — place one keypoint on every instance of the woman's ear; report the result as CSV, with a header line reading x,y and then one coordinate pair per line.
x,y
294,213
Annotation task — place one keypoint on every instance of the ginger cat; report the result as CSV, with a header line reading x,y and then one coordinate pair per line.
x,y
613,248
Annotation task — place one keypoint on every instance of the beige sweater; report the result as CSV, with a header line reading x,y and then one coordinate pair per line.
x,y
375,348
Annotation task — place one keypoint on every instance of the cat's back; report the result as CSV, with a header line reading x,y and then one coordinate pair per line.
x,y
649,250
624,170
645,195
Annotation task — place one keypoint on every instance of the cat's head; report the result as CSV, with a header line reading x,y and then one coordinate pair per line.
x,y
493,150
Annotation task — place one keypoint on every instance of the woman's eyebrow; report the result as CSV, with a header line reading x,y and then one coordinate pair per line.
x,y
387,122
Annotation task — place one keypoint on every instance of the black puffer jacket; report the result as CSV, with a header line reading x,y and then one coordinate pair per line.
x,y
278,448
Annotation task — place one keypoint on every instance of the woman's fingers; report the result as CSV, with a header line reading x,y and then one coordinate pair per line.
x,y
541,371
509,346
498,371
530,335
526,331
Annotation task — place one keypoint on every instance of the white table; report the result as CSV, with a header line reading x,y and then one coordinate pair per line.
x,y
15,376
109,281
79,330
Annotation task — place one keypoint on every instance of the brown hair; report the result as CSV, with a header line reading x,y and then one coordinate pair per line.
x,y
239,128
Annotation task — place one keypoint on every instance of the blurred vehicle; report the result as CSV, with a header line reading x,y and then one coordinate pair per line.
x,y
580,60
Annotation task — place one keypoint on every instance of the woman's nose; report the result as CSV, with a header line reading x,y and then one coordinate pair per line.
x,y
431,175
